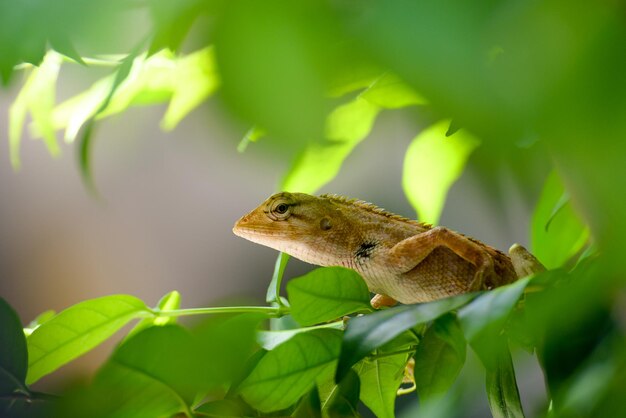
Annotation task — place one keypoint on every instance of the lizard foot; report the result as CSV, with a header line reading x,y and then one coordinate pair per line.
x,y
383,301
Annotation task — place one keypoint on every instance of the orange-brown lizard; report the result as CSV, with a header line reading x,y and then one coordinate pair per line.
x,y
399,259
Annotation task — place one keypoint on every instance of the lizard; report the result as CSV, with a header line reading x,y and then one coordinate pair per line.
x,y
400,259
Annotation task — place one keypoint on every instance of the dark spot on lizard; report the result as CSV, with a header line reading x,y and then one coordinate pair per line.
x,y
365,250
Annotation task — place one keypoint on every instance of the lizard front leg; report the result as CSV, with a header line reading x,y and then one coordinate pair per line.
x,y
407,254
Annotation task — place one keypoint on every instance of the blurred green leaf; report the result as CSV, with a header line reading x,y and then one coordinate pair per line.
x,y
172,21
366,333
252,135
77,330
222,408
320,161
194,79
502,392
389,92
557,232
167,302
269,58
36,97
344,398
439,358
327,293
484,319
185,81
35,405
381,374
286,373
432,164
13,354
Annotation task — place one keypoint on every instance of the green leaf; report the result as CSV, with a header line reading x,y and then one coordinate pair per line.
x,y
433,162
77,330
327,293
167,355
502,392
484,319
344,398
273,290
366,333
389,92
13,354
40,319
268,61
286,373
252,135
222,408
557,232
155,373
309,406
439,358
168,302
381,374
194,79
37,97
228,343
270,339
320,161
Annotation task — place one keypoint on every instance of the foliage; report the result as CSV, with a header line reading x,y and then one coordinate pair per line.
x,y
533,87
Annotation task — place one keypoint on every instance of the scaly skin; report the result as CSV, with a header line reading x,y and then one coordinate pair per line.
x,y
399,259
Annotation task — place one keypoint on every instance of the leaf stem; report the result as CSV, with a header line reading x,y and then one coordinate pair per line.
x,y
268,310
393,353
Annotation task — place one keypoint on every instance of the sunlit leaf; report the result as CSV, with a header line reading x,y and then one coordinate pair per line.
x,y
320,161
389,92
557,232
327,293
270,339
366,333
194,79
286,373
77,330
40,319
252,135
37,97
433,162
13,354
439,358
502,392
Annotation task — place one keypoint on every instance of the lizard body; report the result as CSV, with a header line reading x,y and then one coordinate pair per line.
x,y
400,259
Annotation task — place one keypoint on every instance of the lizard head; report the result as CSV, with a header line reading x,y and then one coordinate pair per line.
x,y
304,226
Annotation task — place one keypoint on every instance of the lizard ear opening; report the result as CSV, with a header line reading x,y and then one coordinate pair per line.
x,y
325,224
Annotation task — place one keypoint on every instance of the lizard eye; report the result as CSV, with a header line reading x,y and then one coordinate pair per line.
x,y
280,210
